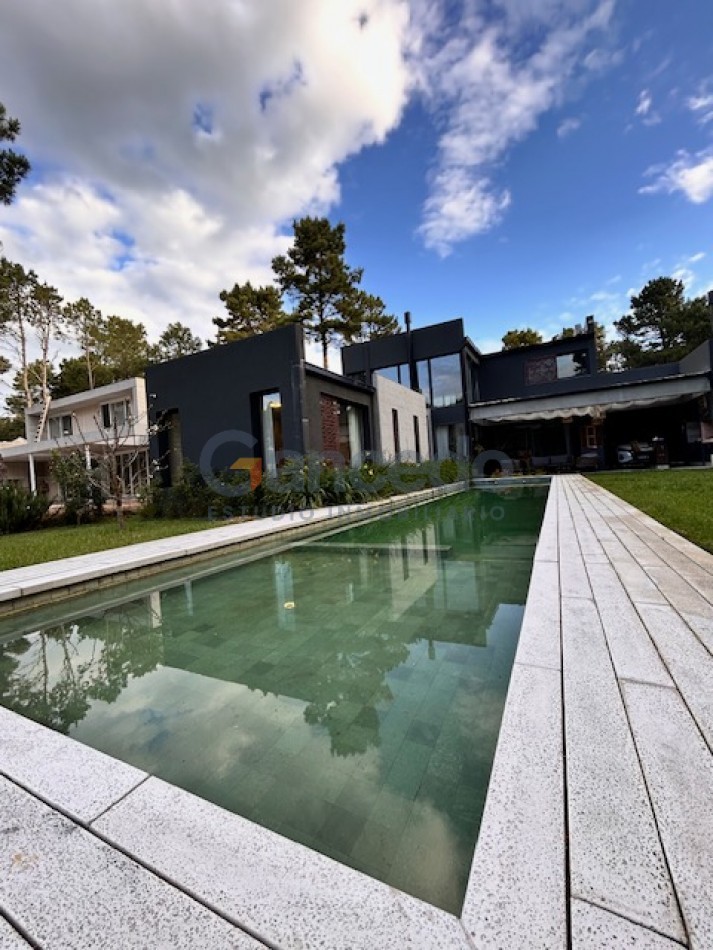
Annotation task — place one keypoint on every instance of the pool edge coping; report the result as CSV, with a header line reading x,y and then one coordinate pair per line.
x,y
491,901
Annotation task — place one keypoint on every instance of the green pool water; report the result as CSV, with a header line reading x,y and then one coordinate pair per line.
x,y
345,692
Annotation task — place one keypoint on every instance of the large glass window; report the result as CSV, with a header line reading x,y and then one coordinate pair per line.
x,y
116,414
472,381
573,364
397,374
446,380
271,417
60,426
351,434
424,380
546,369
389,372
451,441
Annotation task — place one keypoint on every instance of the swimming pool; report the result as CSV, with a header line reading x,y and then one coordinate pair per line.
x,y
346,691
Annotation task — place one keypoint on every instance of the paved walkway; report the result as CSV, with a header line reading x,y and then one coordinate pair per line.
x,y
598,828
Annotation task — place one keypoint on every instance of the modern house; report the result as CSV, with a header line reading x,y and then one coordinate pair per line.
x,y
440,362
259,399
109,418
414,395
547,405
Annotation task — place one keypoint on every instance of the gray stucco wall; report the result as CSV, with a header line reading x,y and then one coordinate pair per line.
x,y
408,404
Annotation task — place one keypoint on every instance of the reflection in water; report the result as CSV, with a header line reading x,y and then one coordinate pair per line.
x,y
346,692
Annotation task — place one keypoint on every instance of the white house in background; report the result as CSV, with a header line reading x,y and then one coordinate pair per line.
x,y
87,421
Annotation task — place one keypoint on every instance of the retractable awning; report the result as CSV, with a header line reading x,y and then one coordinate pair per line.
x,y
593,403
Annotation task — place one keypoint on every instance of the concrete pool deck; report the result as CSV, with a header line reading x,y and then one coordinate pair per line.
x,y
598,826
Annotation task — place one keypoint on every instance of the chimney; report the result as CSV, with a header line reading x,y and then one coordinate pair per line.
x,y
412,372
590,324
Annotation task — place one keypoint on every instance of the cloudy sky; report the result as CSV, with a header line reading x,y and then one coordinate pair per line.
x,y
508,161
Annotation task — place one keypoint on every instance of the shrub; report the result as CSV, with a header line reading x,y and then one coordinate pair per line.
x,y
448,470
298,485
20,510
193,497
76,487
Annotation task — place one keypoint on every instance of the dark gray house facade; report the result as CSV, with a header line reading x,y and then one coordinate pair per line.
x,y
423,392
546,405
440,362
260,399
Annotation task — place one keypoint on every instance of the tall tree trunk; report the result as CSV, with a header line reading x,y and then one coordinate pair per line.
x,y
90,374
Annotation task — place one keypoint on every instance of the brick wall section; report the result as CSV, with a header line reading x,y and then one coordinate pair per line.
x,y
329,410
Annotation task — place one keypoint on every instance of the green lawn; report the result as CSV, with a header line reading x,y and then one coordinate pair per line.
x,y
48,544
682,500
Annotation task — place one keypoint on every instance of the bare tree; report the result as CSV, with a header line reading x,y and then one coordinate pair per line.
x,y
112,454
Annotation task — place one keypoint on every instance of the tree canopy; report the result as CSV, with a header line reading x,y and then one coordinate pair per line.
x,y
251,310
514,339
30,314
320,284
662,325
123,347
85,325
368,319
321,288
72,377
176,340
13,166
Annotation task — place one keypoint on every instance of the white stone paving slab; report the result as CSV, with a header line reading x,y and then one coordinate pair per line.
x,y
615,853
643,554
573,576
691,665
696,565
679,592
589,543
632,649
679,772
10,593
637,582
701,626
279,889
547,549
540,641
79,780
598,524
692,551
594,928
70,891
10,939
516,894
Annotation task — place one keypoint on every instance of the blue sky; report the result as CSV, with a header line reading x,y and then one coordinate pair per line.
x,y
516,163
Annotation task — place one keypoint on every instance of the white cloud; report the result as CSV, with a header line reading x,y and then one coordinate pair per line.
x,y
690,174
568,126
458,207
489,85
644,103
695,258
702,105
644,109
172,146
